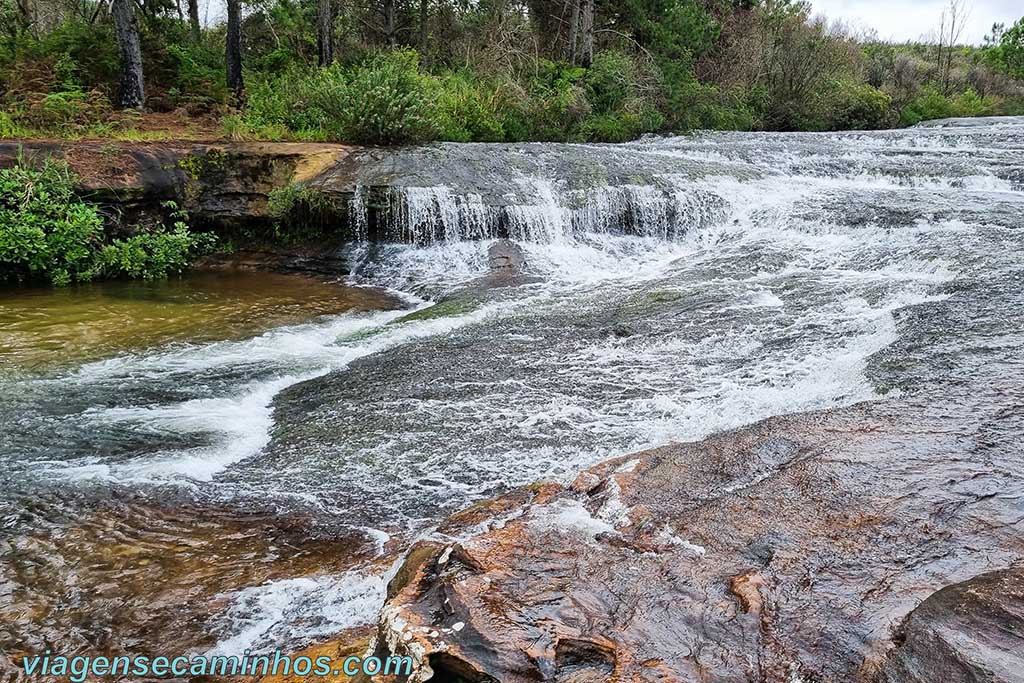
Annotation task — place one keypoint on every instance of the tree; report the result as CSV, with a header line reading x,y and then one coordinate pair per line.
x,y
132,93
233,52
424,18
951,28
1011,47
587,21
574,27
324,32
193,19
390,28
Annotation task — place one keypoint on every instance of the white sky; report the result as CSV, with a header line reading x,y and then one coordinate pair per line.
x,y
911,19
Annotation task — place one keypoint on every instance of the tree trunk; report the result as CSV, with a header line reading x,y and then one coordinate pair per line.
x,y
233,52
193,19
126,25
587,21
324,32
574,29
424,16
390,19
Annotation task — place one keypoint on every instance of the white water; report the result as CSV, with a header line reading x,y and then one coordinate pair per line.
x,y
761,285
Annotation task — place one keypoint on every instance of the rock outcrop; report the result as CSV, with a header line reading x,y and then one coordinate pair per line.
x,y
219,184
847,545
970,631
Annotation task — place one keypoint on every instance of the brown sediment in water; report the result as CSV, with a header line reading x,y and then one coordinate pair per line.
x,y
137,578
46,327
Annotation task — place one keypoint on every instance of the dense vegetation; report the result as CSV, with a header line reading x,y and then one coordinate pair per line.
x,y
48,233
394,71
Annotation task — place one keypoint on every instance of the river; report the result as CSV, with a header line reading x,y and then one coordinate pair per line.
x,y
233,460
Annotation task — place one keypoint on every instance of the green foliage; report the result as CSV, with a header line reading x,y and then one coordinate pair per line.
x,y
932,104
1011,49
153,255
197,75
384,100
858,106
497,71
466,110
675,30
45,231
48,233
288,199
619,93
387,101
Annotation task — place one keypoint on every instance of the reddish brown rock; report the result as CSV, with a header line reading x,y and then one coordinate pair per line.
x,y
792,550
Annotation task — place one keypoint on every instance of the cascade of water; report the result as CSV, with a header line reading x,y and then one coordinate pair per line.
x,y
535,209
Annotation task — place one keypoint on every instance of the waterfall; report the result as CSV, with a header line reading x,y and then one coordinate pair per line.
x,y
538,210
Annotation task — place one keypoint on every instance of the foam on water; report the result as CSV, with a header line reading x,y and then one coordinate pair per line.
x,y
690,286
295,612
239,421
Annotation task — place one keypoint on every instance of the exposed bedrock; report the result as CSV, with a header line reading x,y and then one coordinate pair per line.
x,y
219,184
881,542
224,187
970,631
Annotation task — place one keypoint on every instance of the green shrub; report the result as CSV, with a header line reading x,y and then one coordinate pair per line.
x,y
691,105
610,81
8,128
934,105
617,92
46,232
198,74
925,107
287,199
60,113
858,106
384,100
153,255
548,107
466,111
970,103
387,101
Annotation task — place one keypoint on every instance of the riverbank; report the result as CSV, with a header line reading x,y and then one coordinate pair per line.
x,y
880,542
825,322
220,185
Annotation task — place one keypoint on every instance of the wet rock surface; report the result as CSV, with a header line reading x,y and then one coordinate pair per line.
x,y
791,550
508,267
970,631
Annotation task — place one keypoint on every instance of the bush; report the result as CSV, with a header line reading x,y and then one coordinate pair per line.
x,y
858,106
48,233
618,93
934,105
384,100
466,111
153,255
925,107
547,107
45,231
388,101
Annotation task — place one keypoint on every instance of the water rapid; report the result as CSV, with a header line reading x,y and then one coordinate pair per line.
x,y
677,287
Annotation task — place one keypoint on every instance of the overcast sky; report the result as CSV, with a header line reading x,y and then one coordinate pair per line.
x,y
911,19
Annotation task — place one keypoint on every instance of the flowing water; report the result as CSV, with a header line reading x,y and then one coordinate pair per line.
x,y
242,477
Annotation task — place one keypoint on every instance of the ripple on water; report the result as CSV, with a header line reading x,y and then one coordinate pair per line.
x,y
691,285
